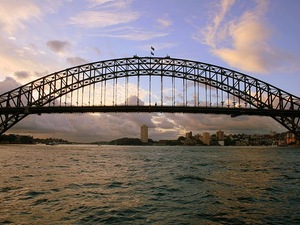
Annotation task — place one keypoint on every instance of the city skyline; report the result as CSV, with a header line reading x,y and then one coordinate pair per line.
x,y
258,38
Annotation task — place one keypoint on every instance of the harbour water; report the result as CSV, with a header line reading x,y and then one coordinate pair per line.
x,y
82,184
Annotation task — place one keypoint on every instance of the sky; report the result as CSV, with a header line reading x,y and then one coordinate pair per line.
x,y
256,37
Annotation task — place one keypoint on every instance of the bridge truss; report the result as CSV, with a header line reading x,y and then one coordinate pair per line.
x,y
150,84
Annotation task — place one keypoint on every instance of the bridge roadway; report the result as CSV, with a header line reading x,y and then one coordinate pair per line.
x,y
144,108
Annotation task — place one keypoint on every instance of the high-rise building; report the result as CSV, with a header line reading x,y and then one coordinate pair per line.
x,y
144,133
220,135
206,138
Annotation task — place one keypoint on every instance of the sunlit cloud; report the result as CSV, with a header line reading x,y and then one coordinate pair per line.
x,y
164,22
250,50
76,60
109,3
19,51
210,34
100,19
105,13
12,38
242,42
132,33
16,56
13,18
94,3
23,58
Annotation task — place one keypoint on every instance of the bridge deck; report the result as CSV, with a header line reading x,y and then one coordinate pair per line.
x,y
149,109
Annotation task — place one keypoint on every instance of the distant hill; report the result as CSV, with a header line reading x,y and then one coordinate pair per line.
x,y
127,141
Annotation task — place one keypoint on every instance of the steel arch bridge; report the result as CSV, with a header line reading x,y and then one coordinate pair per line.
x,y
150,84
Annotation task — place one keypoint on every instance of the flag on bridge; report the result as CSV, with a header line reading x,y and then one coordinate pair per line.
x,y
152,50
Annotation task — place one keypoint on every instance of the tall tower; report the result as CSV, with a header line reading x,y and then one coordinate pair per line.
x,y
206,138
144,133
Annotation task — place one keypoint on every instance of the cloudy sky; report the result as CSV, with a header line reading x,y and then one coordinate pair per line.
x,y
256,37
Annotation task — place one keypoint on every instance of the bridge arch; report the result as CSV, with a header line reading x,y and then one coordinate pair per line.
x,y
233,92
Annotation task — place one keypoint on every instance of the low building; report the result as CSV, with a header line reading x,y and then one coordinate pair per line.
x,y
189,135
290,138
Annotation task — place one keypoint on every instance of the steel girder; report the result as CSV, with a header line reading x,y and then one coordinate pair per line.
x,y
254,92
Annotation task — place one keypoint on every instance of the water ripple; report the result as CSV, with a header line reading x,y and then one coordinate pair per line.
x,y
149,185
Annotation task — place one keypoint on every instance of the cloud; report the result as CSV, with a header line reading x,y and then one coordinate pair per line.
x,y
25,56
94,3
85,127
164,22
210,34
22,74
8,84
16,52
105,13
132,33
109,3
250,49
76,61
199,123
242,42
14,14
109,126
58,46
100,19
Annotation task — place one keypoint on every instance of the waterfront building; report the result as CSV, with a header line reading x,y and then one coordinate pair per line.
x,y
290,138
144,133
189,135
197,137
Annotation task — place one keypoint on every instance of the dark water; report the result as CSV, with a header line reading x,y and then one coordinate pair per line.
x,y
149,185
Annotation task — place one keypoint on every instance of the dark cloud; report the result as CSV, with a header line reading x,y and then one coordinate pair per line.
x,y
85,127
76,61
108,126
199,123
58,46
8,84
22,74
